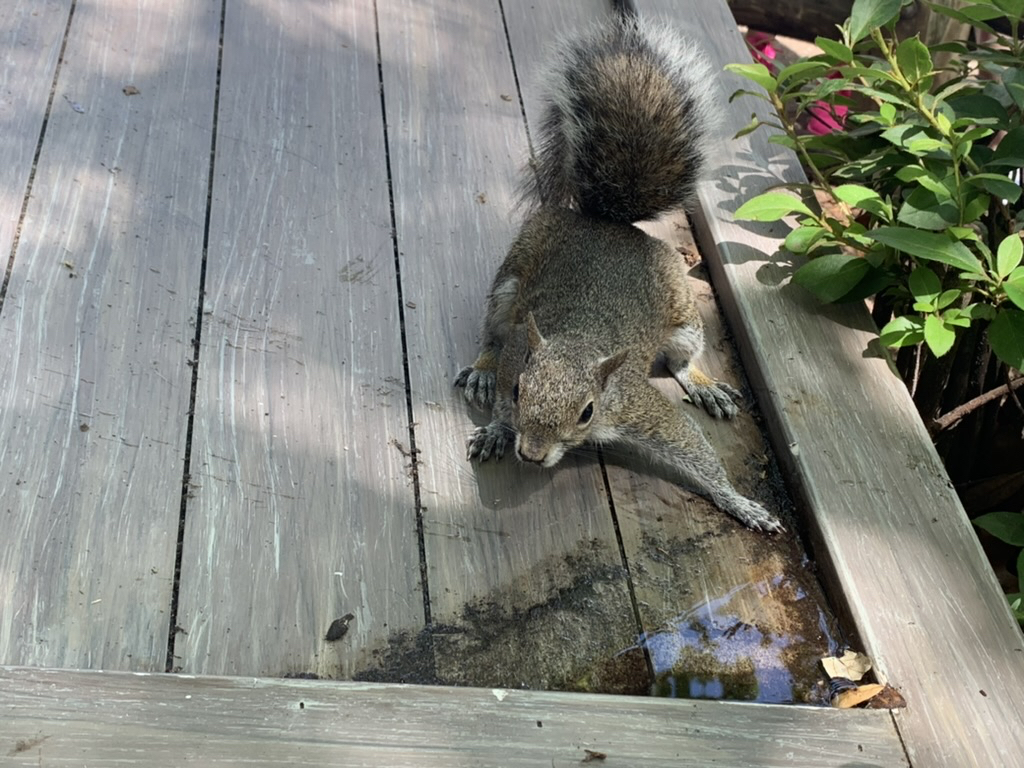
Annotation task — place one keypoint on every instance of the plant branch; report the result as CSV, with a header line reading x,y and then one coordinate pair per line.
x,y
947,420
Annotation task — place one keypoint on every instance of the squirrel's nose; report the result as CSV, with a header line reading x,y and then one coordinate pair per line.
x,y
531,452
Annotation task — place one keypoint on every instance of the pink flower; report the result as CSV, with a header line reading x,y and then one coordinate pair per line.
x,y
828,118
825,117
761,48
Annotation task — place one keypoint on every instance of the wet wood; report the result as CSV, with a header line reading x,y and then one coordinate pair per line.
x,y
301,503
95,337
57,718
896,545
502,538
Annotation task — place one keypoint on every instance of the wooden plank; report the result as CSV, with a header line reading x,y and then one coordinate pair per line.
x,y
720,606
95,337
31,34
523,565
886,523
57,718
303,507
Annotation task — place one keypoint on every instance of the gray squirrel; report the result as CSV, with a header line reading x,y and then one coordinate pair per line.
x,y
585,302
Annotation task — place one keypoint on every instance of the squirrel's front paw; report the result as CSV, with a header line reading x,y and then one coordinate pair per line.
x,y
488,441
717,398
479,386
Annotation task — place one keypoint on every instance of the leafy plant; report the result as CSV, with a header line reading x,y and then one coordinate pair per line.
x,y
1008,527
915,201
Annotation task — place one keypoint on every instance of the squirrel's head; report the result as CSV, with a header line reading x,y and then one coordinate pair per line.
x,y
558,398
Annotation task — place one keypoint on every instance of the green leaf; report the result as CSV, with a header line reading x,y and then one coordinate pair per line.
x,y
757,72
975,15
924,210
855,194
925,285
801,239
867,15
1008,255
902,332
832,276
1000,186
1012,8
753,125
928,246
980,312
976,206
800,72
1005,526
914,59
1011,146
1006,335
1014,287
937,336
834,49
948,297
771,206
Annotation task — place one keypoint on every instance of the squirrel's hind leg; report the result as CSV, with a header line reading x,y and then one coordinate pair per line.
x,y
717,398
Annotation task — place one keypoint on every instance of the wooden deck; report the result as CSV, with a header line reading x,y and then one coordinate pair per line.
x,y
249,247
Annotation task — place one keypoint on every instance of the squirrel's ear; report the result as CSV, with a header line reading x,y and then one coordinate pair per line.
x,y
533,337
609,365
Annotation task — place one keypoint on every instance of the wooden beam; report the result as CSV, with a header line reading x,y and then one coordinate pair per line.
x,y
896,546
96,339
62,718
302,510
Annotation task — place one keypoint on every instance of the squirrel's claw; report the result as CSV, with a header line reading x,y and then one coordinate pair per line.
x,y
753,515
479,386
488,441
717,398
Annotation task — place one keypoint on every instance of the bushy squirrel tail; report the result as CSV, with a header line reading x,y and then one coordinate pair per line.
x,y
630,108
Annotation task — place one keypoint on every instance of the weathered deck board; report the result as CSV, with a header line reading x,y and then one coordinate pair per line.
x,y
94,338
503,538
898,548
696,573
99,718
31,34
302,509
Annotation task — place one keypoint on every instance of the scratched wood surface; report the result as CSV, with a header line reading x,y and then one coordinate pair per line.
x,y
302,508
31,34
56,718
895,542
95,335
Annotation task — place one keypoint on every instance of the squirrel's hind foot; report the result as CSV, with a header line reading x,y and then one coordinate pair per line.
x,y
751,514
479,386
717,398
492,440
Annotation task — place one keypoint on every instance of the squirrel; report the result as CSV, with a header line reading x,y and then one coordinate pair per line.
x,y
585,302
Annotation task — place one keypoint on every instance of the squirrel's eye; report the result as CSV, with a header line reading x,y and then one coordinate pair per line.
x,y
588,413
515,393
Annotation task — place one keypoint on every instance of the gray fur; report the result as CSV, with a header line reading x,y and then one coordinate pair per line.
x,y
630,108
584,302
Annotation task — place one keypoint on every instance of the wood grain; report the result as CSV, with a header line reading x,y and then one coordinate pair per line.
x,y
95,337
503,534
57,718
31,34
887,526
302,506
